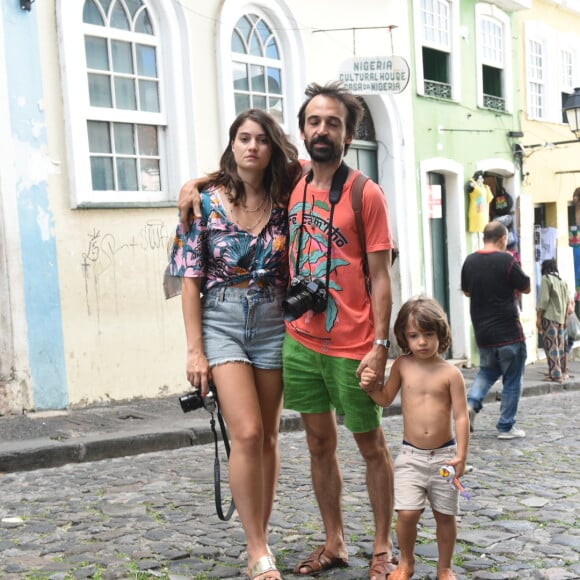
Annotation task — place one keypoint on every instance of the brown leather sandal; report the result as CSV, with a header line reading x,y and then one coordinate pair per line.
x,y
321,559
382,565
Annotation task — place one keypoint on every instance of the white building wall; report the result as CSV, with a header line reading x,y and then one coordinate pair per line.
x,y
15,384
121,338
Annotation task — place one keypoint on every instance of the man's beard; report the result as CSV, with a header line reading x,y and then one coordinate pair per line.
x,y
329,154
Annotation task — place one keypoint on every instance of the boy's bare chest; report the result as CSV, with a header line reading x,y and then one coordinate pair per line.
x,y
432,383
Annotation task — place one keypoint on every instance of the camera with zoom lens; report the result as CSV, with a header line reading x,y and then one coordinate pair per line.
x,y
304,295
194,400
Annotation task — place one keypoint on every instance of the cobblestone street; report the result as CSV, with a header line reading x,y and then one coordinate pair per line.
x,y
153,515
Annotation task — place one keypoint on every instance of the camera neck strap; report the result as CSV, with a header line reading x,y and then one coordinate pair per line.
x,y
338,181
216,464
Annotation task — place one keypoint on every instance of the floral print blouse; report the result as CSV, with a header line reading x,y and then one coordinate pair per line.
x,y
222,253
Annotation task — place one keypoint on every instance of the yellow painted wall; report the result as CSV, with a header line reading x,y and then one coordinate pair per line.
x,y
547,169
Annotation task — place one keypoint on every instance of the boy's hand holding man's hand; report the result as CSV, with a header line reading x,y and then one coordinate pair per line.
x,y
368,379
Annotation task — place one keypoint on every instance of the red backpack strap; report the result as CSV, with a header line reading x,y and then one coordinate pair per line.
x,y
357,204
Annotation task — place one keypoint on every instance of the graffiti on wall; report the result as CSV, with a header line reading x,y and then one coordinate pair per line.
x,y
107,256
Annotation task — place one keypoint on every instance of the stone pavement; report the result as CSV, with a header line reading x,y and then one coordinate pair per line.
x,y
153,515
53,438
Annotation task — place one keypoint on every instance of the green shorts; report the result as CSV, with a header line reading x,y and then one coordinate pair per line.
x,y
318,383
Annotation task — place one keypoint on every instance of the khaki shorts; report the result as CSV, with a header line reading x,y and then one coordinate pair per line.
x,y
417,478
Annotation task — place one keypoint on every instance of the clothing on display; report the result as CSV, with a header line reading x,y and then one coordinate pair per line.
x,y
548,244
501,204
480,197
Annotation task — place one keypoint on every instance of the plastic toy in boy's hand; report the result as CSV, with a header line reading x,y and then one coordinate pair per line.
x,y
448,472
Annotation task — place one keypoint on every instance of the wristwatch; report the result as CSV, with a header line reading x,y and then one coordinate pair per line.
x,y
383,342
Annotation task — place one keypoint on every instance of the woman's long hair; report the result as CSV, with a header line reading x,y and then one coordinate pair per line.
x,y
282,172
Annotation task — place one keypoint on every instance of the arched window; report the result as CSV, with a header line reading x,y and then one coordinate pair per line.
x,y
118,102
260,56
257,67
123,80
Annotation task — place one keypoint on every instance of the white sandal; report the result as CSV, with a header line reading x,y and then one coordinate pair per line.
x,y
263,565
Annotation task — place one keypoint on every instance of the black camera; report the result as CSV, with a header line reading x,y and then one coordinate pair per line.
x,y
194,400
304,295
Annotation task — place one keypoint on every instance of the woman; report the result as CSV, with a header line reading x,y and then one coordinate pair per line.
x,y
236,256
551,319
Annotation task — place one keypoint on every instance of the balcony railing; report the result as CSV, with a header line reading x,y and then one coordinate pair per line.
x,y
435,89
493,102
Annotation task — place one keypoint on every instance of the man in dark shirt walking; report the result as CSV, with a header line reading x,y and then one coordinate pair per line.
x,y
491,277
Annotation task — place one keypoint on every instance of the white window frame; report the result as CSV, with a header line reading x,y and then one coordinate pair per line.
x,y
553,41
280,20
175,153
492,13
493,42
454,48
443,42
566,70
569,44
262,61
536,78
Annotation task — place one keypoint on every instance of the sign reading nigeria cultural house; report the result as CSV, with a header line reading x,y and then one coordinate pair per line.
x,y
367,75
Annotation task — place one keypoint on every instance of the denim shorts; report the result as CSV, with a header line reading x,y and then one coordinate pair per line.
x,y
243,325
417,478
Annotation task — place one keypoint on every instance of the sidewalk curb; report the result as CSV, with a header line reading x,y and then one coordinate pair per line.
x,y
46,453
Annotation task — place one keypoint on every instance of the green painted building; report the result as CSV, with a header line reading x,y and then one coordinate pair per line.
x,y
466,108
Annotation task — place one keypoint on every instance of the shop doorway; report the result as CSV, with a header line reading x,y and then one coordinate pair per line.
x,y
438,234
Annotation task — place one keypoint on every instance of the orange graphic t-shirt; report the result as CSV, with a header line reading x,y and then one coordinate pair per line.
x,y
345,328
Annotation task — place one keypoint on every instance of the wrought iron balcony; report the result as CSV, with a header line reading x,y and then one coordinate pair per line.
x,y
439,90
493,102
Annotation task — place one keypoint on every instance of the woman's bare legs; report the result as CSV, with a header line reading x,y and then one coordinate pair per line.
x,y
251,401
269,388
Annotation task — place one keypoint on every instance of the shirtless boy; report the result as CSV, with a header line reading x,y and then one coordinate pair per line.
x,y
433,397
